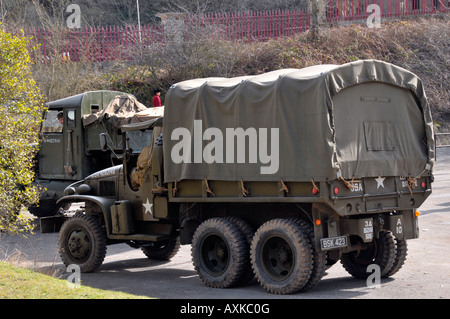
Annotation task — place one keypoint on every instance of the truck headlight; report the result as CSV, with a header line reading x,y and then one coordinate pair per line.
x,y
69,191
83,189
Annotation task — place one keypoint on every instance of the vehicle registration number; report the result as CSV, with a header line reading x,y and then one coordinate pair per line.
x,y
333,242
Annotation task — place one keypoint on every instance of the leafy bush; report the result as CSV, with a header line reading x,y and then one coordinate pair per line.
x,y
21,112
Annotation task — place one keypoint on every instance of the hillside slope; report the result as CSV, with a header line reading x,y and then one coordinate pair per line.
x,y
419,45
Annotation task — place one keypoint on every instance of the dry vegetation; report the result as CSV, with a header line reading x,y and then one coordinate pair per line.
x,y
420,45
120,12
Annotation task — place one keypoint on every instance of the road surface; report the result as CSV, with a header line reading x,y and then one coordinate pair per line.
x,y
426,273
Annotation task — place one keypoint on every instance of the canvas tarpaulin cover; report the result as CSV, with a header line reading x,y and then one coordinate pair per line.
x,y
299,124
122,110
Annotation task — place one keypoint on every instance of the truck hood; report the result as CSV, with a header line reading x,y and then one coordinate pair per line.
x,y
111,171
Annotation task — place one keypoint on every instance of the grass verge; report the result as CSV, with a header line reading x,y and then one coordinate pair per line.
x,y
21,283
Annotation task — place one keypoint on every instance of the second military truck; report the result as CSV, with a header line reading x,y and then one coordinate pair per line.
x,y
276,176
69,148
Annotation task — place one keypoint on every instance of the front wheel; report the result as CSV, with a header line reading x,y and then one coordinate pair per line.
x,y
82,241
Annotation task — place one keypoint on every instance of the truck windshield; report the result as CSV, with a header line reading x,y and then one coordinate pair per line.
x,y
137,140
51,123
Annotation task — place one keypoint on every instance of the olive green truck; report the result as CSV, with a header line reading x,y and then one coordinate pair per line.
x,y
275,176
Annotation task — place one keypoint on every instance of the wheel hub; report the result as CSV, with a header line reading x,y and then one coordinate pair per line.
x,y
214,255
74,245
282,255
277,258
220,252
78,244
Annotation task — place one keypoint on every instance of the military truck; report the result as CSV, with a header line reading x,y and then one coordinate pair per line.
x,y
275,176
69,147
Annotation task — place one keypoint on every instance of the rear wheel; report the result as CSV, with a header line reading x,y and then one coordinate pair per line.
x,y
248,233
319,257
219,253
401,251
381,251
281,256
82,241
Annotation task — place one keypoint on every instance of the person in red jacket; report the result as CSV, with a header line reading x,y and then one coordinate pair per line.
x,y
156,98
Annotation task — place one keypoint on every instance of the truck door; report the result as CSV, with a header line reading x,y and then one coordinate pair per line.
x,y
51,153
59,154
72,137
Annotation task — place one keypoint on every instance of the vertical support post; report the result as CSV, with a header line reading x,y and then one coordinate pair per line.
x,y
318,9
174,27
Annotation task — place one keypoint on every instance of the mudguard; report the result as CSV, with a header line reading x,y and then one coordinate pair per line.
x,y
104,204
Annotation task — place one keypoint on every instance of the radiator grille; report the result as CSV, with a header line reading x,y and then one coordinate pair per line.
x,y
107,188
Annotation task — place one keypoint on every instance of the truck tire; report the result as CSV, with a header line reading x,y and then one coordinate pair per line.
x,y
281,256
319,257
380,252
248,233
332,258
162,250
82,241
219,253
401,251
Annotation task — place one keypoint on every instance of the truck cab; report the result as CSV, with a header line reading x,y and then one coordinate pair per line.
x,y
68,150
126,203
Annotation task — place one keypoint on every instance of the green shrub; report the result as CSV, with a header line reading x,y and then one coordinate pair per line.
x,y
21,112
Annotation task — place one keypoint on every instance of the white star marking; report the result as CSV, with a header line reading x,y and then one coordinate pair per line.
x,y
380,181
147,207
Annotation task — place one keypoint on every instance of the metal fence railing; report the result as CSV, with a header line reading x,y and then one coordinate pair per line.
x,y
250,26
441,140
93,43
347,10
119,43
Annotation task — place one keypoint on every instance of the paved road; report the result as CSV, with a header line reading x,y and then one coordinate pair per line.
x,y
426,273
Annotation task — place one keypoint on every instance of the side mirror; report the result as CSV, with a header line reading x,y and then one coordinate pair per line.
x,y
103,142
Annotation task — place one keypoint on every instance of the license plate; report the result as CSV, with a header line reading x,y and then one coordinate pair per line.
x,y
333,242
